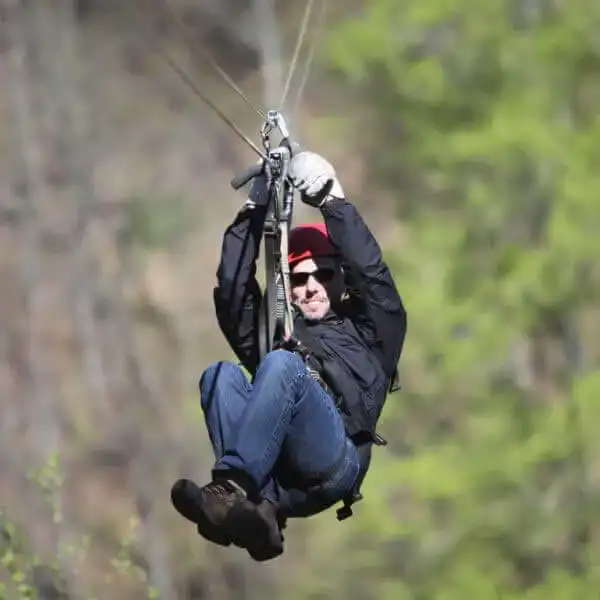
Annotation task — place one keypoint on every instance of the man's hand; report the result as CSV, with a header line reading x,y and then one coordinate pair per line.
x,y
315,178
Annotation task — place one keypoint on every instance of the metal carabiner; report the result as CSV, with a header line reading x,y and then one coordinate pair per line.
x,y
274,120
279,122
265,134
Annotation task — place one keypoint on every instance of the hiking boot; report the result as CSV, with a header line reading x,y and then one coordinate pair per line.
x,y
257,528
208,506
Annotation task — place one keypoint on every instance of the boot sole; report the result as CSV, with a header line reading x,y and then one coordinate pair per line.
x,y
184,499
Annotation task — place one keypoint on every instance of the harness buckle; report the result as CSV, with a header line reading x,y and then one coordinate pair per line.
x,y
345,511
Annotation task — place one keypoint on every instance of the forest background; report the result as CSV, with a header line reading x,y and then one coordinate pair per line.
x,y
468,135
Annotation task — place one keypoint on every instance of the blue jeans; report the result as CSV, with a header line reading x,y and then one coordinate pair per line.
x,y
283,430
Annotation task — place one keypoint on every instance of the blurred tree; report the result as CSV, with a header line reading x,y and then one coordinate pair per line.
x,y
483,118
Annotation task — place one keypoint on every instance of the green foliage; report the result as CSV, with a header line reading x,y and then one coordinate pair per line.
x,y
484,121
125,565
17,558
21,565
482,118
14,568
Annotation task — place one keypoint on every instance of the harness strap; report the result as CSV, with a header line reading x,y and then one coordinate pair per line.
x,y
285,276
276,319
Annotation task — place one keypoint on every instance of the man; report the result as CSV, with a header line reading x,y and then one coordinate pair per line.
x,y
297,439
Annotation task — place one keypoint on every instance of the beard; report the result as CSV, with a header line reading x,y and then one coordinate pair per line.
x,y
315,308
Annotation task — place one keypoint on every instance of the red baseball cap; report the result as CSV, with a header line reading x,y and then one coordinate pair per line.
x,y
308,241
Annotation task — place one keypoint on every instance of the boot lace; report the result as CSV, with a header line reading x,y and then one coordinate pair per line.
x,y
222,489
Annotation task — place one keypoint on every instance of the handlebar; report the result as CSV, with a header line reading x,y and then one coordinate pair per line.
x,y
244,177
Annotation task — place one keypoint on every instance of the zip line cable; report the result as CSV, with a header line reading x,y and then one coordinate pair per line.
x,y
310,56
187,80
213,63
299,42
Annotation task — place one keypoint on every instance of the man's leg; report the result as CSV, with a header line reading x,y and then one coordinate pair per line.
x,y
289,420
287,411
224,393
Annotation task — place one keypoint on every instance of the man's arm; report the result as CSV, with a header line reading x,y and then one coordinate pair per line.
x,y
237,295
382,313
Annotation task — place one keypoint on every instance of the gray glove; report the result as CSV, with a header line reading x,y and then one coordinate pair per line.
x,y
315,178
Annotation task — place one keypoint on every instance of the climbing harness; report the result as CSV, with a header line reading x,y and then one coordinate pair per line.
x,y
276,313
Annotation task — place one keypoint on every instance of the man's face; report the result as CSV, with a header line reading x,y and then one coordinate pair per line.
x,y
316,285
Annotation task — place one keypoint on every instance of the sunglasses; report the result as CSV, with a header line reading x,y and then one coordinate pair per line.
x,y
323,275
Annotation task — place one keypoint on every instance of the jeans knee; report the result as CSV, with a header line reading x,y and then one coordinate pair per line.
x,y
282,362
210,379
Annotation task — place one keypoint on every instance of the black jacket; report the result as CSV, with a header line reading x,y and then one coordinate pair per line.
x,y
364,340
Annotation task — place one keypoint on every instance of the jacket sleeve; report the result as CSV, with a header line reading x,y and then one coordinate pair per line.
x,y
380,313
237,295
